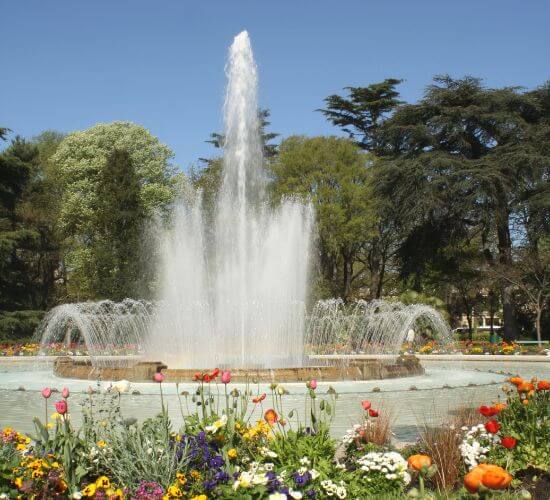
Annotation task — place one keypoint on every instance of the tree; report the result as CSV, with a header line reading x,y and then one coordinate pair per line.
x,y
28,246
361,115
470,153
14,176
269,149
530,276
82,161
115,255
333,173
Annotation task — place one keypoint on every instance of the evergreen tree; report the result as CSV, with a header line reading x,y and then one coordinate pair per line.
x,y
116,262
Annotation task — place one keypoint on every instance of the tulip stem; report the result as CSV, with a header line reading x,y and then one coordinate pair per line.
x,y
421,484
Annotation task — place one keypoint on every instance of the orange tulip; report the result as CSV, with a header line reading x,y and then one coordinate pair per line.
x,y
417,462
486,467
515,380
472,480
525,401
496,479
526,387
491,476
543,385
499,406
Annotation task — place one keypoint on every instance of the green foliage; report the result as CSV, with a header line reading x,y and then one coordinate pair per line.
x,y
19,324
529,424
115,264
113,177
28,245
332,173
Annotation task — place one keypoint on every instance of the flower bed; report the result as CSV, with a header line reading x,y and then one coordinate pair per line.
x,y
61,349
222,452
474,347
431,347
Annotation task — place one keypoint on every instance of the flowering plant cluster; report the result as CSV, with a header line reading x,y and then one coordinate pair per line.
x,y
386,470
471,347
246,444
476,444
64,349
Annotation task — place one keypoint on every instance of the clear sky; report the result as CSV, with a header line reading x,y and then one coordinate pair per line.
x,y
66,64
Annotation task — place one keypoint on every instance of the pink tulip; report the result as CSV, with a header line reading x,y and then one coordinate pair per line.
x,y
366,405
46,392
226,376
65,392
313,384
159,377
61,407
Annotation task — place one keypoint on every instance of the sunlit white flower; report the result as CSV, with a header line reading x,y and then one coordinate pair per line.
x,y
217,425
277,496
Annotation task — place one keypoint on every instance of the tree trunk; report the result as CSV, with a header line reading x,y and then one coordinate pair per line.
x,y
509,326
347,274
538,324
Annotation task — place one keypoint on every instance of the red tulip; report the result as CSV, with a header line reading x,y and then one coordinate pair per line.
x,y
159,377
508,442
215,373
197,376
487,411
206,378
373,413
46,392
61,407
65,392
492,426
226,376
259,399
366,405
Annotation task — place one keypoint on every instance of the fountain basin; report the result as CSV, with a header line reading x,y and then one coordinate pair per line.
x,y
143,371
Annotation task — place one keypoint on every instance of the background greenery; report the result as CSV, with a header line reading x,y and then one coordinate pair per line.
x,y
447,197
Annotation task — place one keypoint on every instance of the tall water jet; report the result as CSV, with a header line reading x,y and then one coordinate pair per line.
x,y
234,293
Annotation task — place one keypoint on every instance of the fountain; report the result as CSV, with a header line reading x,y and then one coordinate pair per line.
x,y
234,294
234,285
377,327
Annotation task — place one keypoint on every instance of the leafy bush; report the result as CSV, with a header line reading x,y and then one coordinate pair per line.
x,y
18,325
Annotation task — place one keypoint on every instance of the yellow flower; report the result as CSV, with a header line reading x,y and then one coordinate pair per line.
x,y
195,474
18,481
89,491
232,453
174,491
199,497
181,478
37,473
49,425
101,443
113,494
55,416
20,447
103,482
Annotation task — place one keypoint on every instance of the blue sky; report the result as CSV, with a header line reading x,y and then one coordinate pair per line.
x,y
67,65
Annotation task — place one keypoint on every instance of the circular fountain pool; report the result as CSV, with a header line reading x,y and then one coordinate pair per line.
x,y
410,400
